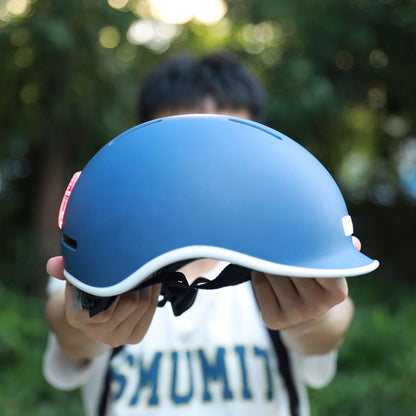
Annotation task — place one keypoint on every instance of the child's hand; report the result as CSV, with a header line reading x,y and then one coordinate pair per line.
x,y
286,301
126,321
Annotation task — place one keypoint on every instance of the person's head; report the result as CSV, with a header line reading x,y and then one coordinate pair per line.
x,y
217,83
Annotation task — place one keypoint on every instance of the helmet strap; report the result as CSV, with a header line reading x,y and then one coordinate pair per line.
x,y
175,288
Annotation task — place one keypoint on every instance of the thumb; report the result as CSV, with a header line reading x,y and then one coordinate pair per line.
x,y
356,242
55,267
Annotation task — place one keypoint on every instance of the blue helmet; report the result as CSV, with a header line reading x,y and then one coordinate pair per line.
x,y
204,186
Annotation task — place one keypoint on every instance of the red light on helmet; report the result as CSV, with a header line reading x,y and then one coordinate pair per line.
x,y
65,199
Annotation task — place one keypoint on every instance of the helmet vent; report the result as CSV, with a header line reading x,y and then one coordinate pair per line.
x,y
258,126
70,242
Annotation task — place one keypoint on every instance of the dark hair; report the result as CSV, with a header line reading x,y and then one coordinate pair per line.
x,y
183,82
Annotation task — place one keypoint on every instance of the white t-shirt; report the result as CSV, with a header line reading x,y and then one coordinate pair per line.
x,y
217,358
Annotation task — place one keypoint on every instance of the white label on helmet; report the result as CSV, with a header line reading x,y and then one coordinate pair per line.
x,y
347,224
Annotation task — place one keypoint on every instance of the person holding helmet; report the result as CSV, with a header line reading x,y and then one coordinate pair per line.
x,y
251,347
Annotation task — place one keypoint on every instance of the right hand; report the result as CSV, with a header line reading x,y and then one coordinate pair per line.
x,y
126,321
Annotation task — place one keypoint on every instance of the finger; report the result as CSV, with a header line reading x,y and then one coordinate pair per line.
x,y
336,288
96,328
133,327
55,267
279,301
299,298
285,290
314,299
115,325
123,320
265,294
356,242
309,289
142,326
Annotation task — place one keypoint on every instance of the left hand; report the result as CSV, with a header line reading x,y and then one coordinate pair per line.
x,y
288,301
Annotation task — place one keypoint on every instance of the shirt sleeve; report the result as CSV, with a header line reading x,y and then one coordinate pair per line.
x,y
54,285
315,371
58,369
63,373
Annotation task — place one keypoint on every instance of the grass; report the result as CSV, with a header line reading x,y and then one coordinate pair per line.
x,y
376,369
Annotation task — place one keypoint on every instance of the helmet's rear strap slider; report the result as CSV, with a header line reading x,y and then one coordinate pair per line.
x,y
94,304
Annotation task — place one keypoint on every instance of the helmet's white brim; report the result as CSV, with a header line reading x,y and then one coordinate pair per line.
x,y
195,252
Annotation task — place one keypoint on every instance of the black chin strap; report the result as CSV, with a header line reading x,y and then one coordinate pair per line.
x,y
175,288
181,295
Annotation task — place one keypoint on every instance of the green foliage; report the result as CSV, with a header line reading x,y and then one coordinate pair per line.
x,y
23,334
339,78
318,60
377,362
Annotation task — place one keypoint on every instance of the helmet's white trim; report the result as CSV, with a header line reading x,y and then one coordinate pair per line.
x,y
195,252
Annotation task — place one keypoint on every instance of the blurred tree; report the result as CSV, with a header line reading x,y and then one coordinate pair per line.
x,y
63,96
339,77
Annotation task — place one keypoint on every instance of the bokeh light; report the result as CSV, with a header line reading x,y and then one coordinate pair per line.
x,y
174,12
109,37
18,7
396,126
258,37
154,34
118,4
344,60
30,93
406,164
355,173
208,12
378,59
377,96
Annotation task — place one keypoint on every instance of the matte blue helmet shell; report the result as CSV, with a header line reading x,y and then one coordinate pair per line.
x,y
204,186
